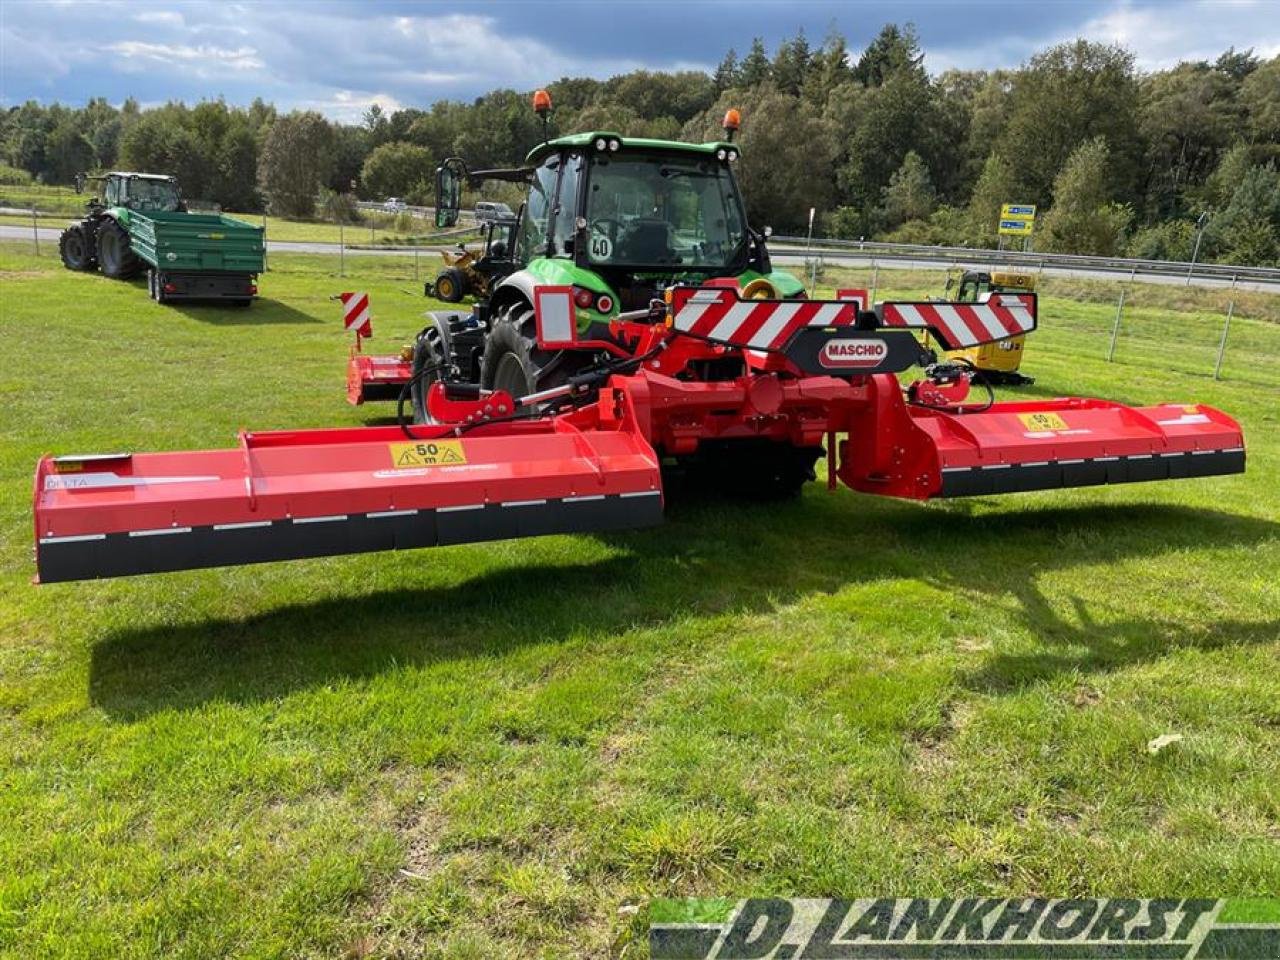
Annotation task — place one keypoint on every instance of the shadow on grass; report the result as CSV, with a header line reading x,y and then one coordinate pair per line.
x,y
710,557
262,312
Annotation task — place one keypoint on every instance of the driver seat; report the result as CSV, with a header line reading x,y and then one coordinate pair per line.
x,y
646,241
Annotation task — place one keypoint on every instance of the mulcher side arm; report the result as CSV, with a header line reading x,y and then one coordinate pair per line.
x,y
585,457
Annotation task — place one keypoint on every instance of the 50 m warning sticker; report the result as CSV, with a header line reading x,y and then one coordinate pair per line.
x,y
1042,421
427,453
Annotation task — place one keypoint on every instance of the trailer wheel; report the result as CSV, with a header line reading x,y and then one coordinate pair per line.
x,y
73,246
451,285
114,253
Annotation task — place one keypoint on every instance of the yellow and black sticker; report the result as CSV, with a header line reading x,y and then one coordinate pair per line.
x,y
427,453
1042,421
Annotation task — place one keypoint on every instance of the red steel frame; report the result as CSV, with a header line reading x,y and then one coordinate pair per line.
x,y
595,466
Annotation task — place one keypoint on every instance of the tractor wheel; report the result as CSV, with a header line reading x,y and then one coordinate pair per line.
x,y
508,356
114,253
451,285
73,245
428,366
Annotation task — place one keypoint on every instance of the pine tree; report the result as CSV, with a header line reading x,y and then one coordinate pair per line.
x,y
755,65
791,64
728,74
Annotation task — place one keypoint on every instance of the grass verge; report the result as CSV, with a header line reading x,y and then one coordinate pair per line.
x,y
498,750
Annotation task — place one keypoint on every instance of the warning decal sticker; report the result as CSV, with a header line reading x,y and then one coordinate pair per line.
x,y
427,453
1042,421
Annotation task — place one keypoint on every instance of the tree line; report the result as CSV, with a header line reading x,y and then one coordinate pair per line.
x,y
1118,161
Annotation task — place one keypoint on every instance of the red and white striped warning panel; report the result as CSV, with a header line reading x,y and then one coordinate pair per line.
x,y
355,313
719,314
958,325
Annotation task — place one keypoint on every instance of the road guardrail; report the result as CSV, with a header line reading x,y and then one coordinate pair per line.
x,y
879,250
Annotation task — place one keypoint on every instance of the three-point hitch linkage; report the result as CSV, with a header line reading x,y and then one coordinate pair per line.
x,y
701,373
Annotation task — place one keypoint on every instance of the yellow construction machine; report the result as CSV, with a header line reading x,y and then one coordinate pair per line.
x,y
998,361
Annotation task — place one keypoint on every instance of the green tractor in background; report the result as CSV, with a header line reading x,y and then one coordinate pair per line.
x,y
101,239
141,223
617,219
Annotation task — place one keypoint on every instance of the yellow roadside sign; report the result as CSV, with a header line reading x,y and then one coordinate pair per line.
x,y
1017,219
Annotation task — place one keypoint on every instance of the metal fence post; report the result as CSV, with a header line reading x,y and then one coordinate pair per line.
x,y
342,258
415,263
875,281
1115,327
35,229
1222,347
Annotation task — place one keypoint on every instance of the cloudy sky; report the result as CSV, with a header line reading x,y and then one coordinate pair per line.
x,y
339,56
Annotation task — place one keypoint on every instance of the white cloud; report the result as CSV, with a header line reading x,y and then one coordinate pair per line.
x,y
1158,35
1165,35
170,18
198,58
348,107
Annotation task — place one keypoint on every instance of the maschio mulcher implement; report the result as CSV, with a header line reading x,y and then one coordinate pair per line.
x,y
557,413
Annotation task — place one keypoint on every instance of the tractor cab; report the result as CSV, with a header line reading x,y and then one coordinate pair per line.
x,y
144,192
619,221
623,218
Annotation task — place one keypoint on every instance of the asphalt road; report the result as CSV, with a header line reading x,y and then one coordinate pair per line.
x,y
781,256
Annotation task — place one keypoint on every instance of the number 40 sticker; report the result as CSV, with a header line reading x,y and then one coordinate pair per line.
x,y
1042,421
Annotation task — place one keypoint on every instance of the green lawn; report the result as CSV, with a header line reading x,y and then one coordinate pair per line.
x,y
497,750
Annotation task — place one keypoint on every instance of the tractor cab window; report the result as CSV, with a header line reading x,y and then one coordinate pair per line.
x,y
655,211
153,195
537,211
564,231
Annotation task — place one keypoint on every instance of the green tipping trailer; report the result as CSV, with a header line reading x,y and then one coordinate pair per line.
x,y
141,223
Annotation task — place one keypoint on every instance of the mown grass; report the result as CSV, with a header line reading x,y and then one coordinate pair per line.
x,y
499,750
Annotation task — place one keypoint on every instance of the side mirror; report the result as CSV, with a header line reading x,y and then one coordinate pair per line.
x,y
449,192
79,183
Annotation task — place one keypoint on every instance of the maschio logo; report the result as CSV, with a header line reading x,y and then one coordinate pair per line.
x,y
965,928
838,354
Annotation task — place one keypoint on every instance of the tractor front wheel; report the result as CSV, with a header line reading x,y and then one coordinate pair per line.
x,y
451,285
429,362
114,253
508,358
73,246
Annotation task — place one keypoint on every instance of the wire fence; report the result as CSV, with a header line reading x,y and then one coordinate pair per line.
x,y
1225,333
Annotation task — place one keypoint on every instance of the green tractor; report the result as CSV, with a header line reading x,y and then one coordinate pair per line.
x,y
617,219
101,239
141,223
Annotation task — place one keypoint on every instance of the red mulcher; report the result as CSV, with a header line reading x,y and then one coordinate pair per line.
x,y
770,382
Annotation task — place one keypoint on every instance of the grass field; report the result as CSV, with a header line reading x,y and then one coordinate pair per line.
x,y
502,750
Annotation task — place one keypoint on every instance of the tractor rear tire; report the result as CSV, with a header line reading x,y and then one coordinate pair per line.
x,y
115,256
73,246
451,285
